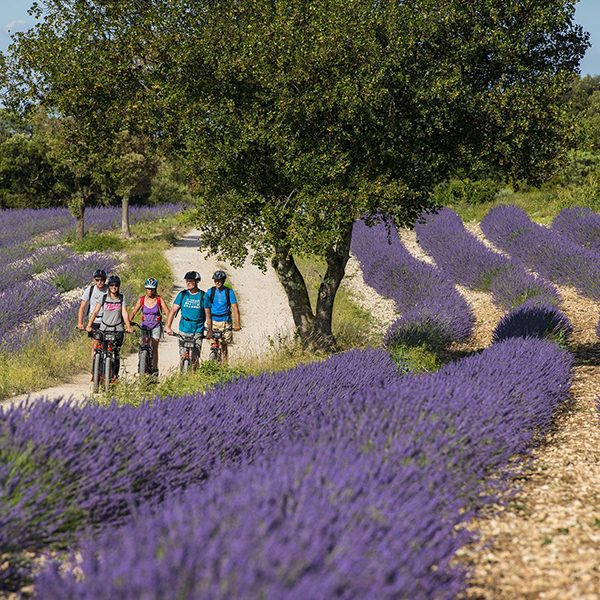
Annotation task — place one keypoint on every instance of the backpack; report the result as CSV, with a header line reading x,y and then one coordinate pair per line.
x,y
89,300
213,291
183,295
160,311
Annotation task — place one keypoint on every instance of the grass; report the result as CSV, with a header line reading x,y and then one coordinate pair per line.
x,y
45,362
541,205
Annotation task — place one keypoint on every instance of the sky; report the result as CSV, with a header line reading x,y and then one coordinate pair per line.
x,y
14,17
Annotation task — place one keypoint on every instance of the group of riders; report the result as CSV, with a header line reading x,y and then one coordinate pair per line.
x,y
202,313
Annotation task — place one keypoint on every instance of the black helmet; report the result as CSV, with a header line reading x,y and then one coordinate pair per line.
x,y
114,279
192,275
220,275
99,273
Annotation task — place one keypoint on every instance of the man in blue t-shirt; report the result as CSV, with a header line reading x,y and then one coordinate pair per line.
x,y
195,315
224,311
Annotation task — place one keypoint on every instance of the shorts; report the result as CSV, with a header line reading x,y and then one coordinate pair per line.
x,y
225,327
198,337
95,327
155,332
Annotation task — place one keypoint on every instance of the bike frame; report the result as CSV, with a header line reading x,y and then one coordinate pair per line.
x,y
145,345
106,348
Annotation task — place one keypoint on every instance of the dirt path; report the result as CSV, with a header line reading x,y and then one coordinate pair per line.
x,y
265,317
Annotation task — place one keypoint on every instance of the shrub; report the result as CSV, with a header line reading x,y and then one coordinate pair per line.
x,y
365,498
466,191
533,320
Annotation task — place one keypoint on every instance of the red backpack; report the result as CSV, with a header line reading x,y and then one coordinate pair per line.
x,y
160,311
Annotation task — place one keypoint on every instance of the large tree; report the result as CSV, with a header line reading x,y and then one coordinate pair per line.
x,y
295,117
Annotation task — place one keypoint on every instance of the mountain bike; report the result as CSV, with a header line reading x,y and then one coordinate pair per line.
x,y
216,350
106,355
145,353
188,342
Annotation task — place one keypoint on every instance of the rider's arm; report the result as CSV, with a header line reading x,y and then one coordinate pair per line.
x,y
135,310
128,326
208,322
164,306
93,316
235,311
80,313
174,310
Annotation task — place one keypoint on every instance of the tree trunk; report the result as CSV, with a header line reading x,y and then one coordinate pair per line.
x,y
77,207
295,288
336,258
125,231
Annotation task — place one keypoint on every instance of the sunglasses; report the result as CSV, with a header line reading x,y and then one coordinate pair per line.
x,y
99,279
114,285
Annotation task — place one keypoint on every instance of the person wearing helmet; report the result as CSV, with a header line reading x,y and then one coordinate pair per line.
x,y
224,311
91,297
195,314
153,308
114,315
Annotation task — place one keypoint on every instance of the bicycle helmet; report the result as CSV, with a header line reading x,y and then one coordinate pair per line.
x,y
192,275
219,275
151,283
99,273
114,280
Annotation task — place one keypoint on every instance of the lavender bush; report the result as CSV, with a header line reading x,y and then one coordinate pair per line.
x,y
579,224
361,498
432,310
106,460
532,320
471,263
544,250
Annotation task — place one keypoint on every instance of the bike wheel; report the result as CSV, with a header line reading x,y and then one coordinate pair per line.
x,y
97,371
185,365
144,362
107,373
214,355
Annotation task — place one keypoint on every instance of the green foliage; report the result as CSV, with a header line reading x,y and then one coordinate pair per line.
x,y
27,176
97,242
418,358
137,391
466,191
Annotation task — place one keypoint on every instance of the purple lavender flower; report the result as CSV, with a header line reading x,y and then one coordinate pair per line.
x,y
579,224
360,497
471,263
432,310
533,320
543,250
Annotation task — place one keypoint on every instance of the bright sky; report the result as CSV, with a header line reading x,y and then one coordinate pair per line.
x,y
14,17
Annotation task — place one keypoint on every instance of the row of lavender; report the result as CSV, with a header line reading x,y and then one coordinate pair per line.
x,y
35,270
531,301
432,310
310,483
565,254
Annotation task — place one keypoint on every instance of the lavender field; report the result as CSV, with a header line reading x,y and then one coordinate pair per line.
x,y
37,270
310,483
345,478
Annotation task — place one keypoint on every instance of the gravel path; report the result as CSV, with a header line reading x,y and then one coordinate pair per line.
x,y
265,317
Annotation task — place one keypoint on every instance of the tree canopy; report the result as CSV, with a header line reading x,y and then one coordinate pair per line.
x,y
295,117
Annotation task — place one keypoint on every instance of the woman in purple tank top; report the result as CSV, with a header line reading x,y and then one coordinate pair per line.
x,y
153,308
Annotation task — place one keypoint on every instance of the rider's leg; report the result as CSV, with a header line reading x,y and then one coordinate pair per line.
x,y
196,351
